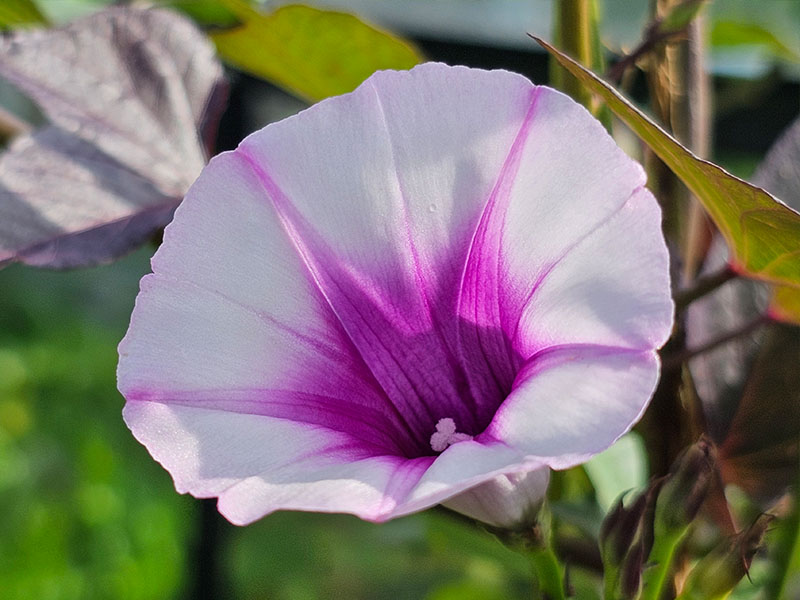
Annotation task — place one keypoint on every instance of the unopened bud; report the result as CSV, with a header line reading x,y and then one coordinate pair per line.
x,y
619,529
719,572
508,501
626,537
630,577
624,524
686,488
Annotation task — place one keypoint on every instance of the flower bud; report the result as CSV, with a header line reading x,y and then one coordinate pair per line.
x,y
719,572
508,501
630,577
626,537
619,529
686,488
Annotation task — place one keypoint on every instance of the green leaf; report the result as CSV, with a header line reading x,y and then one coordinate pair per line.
x,y
762,233
312,53
206,13
620,468
680,16
780,174
20,12
784,305
732,34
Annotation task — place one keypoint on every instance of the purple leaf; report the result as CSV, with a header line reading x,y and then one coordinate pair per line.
x,y
133,98
750,388
780,171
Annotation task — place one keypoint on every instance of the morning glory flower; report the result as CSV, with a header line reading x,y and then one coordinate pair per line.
x,y
445,279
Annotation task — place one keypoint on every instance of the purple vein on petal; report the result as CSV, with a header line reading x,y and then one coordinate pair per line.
x,y
489,231
398,366
316,409
449,347
404,477
564,350
283,208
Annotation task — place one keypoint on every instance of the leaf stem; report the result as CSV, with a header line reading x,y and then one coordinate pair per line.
x,y
673,361
549,573
663,552
703,285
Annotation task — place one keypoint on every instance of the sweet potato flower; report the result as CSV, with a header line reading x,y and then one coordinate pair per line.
x,y
446,280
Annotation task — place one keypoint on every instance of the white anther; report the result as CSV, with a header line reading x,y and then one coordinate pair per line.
x,y
446,435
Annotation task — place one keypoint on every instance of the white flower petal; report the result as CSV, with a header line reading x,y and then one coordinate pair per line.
x,y
611,289
573,402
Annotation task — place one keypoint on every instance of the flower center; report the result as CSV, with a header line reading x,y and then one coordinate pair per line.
x,y
446,435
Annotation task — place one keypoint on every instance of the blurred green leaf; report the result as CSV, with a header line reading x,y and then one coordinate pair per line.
x,y
20,12
312,53
680,16
85,515
732,33
621,468
207,13
583,516
65,11
762,232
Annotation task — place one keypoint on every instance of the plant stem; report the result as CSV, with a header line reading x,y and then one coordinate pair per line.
x,y
703,285
610,578
674,361
693,128
549,573
663,552
574,32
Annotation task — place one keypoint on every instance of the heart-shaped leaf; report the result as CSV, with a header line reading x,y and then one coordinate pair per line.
x,y
761,231
780,174
132,97
760,452
312,53
750,387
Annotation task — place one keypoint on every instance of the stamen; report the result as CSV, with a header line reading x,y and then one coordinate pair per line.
x,y
446,435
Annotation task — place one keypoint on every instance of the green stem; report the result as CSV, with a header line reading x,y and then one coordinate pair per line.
x,y
574,32
549,573
655,578
610,579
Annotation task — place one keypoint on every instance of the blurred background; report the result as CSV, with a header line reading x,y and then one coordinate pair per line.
x,y
86,513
